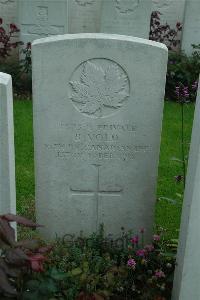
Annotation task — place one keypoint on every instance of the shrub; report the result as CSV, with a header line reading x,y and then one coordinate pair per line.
x,y
20,71
163,33
6,40
183,70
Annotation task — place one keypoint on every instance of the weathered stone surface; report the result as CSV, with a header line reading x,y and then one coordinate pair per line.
x,y
129,17
84,15
97,120
191,32
8,11
187,274
7,161
172,11
40,18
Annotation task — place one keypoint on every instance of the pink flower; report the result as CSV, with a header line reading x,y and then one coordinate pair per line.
x,y
160,274
141,252
131,263
156,237
135,239
149,248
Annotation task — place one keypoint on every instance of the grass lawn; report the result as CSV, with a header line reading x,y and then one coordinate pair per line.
x,y
167,214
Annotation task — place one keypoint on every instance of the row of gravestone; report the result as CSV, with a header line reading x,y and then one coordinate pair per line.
x,y
98,102
40,18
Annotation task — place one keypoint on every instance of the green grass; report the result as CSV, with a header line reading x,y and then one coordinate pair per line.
x,y
24,157
167,214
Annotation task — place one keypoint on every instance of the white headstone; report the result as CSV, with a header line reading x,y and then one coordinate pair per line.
x,y
172,11
187,274
97,121
191,27
41,18
129,17
7,161
84,15
8,11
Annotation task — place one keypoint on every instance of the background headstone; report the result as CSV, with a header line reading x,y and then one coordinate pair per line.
x,y
7,160
97,122
84,15
187,274
128,17
172,11
8,11
40,18
191,26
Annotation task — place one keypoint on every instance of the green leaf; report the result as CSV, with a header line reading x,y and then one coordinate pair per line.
x,y
177,160
173,201
32,284
76,271
57,275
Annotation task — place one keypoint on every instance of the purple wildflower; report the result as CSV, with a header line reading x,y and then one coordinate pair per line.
x,y
177,91
131,263
141,252
160,274
135,239
195,85
156,237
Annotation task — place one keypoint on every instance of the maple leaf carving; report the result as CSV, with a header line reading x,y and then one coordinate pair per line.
x,y
99,88
126,6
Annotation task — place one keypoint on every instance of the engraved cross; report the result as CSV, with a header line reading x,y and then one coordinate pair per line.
x,y
97,191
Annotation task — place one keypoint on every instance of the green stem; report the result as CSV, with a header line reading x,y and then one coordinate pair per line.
x,y
182,143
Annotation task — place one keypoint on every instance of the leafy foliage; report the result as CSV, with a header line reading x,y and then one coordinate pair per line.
x,y
99,268
183,70
20,71
6,39
15,257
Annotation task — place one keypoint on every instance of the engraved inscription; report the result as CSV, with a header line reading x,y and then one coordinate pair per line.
x,y
43,27
84,2
162,3
99,87
6,1
44,30
97,191
42,14
98,142
126,6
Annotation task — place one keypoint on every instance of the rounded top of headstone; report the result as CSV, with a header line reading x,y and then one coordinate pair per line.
x,y
99,36
5,78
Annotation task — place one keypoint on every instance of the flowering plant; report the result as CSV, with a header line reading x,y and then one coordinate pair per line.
x,y
163,33
100,268
183,70
6,39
